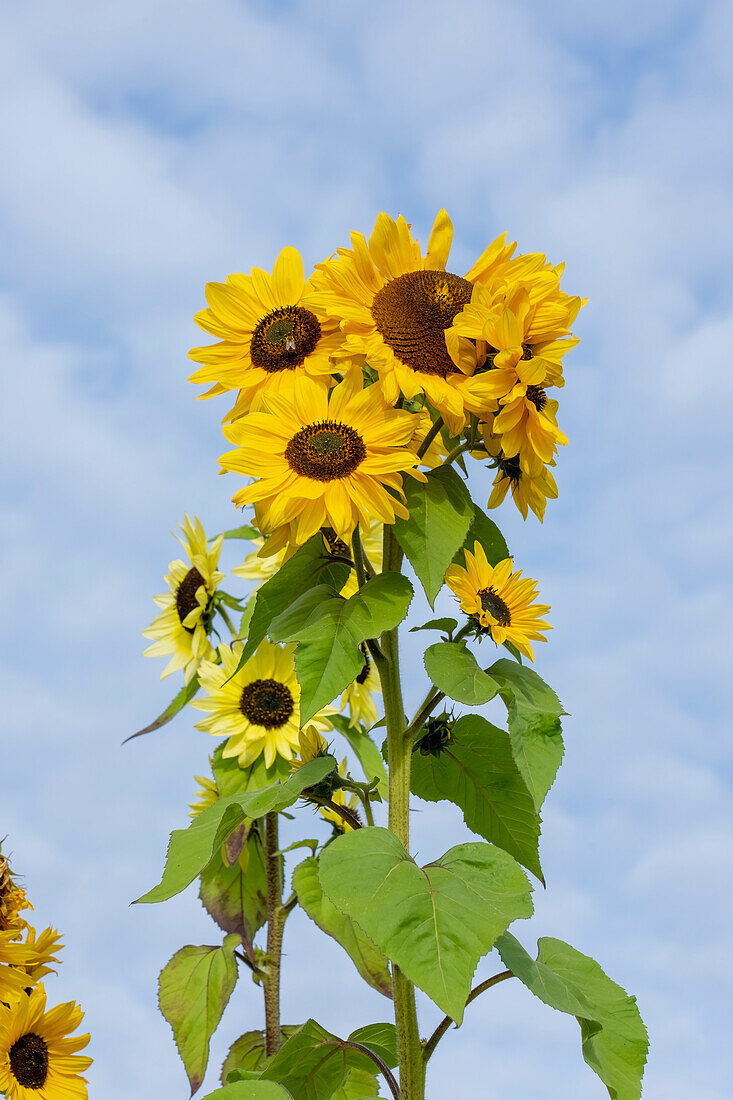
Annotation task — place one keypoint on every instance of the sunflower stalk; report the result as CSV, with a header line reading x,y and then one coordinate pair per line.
x,y
276,916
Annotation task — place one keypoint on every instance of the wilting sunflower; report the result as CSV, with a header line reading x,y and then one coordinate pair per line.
x,y
268,330
395,306
340,798
358,696
183,626
13,901
323,460
38,1055
500,601
258,708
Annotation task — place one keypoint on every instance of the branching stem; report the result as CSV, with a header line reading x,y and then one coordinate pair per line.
x,y
447,1020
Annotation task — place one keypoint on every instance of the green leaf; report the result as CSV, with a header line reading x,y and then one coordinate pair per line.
x,y
309,565
246,617
231,778
310,1065
476,770
365,751
453,668
246,532
381,1038
360,1084
446,625
534,725
368,959
191,849
613,1035
485,531
329,631
249,1090
193,990
434,922
237,899
184,696
247,1053
441,511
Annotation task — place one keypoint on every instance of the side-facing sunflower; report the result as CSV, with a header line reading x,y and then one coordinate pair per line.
x,y
13,900
268,332
257,708
358,696
502,602
39,1057
350,802
395,306
323,460
182,627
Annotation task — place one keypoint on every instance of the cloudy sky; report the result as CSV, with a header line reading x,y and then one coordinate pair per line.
x,y
150,147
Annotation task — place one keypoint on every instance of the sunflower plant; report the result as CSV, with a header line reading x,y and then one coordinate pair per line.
x,y
370,398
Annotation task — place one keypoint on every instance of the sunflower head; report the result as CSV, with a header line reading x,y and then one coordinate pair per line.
x,y
38,1053
350,802
500,602
13,901
438,733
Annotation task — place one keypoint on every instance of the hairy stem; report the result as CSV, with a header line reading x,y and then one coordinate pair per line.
x,y
409,1047
447,1020
275,926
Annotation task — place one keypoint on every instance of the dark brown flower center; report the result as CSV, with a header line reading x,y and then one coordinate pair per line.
x,y
29,1061
510,468
335,545
186,601
325,451
267,703
492,602
537,396
527,351
412,313
284,339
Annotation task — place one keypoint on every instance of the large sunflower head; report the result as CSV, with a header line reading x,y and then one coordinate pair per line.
x,y
256,708
500,601
39,1057
182,628
268,331
323,459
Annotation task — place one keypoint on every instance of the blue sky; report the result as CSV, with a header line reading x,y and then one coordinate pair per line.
x,y
148,148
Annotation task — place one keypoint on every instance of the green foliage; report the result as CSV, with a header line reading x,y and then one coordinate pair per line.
x,y
312,1065
446,625
368,959
534,725
453,668
191,849
310,564
235,898
193,990
329,631
185,695
365,751
441,512
435,922
249,1090
246,532
231,779
485,531
613,1035
247,1053
476,770
381,1038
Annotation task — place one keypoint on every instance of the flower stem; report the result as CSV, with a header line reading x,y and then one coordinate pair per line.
x,y
275,925
409,1046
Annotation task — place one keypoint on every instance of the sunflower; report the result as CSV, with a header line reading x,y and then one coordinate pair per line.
x,y
311,745
206,796
500,601
44,946
395,306
12,901
527,428
340,798
15,959
323,460
38,1055
358,696
269,333
257,708
182,627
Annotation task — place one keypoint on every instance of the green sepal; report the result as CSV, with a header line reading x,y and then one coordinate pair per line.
x,y
193,990
191,849
434,922
614,1039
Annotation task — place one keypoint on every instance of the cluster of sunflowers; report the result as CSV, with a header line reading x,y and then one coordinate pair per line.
x,y
39,1055
381,364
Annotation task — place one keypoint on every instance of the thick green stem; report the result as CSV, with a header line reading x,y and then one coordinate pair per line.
x,y
409,1046
276,915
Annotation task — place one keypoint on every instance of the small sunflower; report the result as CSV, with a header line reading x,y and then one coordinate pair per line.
x,y
311,745
323,460
500,601
269,333
206,795
530,491
182,627
341,798
358,696
257,708
13,900
44,946
527,427
395,306
38,1054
